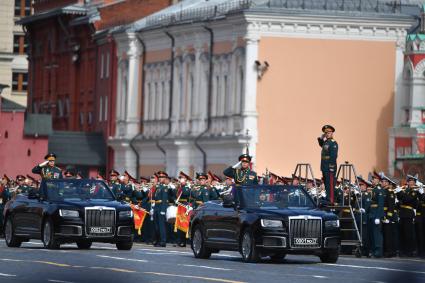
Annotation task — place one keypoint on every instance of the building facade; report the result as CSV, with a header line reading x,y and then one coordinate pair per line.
x,y
13,50
200,81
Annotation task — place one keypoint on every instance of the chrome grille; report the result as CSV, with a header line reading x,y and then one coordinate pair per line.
x,y
100,218
305,232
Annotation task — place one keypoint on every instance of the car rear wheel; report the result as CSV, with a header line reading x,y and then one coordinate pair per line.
x,y
9,235
48,235
84,245
124,246
198,244
278,257
248,249
329,257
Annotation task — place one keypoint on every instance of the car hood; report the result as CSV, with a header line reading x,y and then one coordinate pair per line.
x,y
90,203
292,212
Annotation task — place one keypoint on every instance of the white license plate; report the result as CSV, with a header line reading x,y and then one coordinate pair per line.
x,y
100,230
305,241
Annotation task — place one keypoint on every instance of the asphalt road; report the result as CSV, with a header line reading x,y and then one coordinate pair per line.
x,y
103,263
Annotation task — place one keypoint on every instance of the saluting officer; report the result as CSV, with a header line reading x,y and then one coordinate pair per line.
x,y
375,216
329,156
389,227
241,172
408,201
160,208
47,169
114,183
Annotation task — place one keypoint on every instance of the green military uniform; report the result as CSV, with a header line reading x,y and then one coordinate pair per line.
x,y
160,209
389,223
4,198
200,195
48,172
375,213
115,188
408,202
242,176
328,163
366,201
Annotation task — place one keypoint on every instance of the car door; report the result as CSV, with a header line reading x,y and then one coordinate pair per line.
x,y
20,216
34,213
227,221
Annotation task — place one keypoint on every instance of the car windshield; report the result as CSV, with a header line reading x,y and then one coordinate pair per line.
x,y
58,190
274,197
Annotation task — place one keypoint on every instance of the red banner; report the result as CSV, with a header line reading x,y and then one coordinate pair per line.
x,y
182,220
139,217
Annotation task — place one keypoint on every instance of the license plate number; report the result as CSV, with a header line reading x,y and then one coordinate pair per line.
x,y
100,230
305,241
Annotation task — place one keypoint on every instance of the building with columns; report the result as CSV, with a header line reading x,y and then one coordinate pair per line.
x,y
200,80
407,136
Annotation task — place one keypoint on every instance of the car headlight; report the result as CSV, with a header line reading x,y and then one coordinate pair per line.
x,y
332,224
271,223
126,214
68,213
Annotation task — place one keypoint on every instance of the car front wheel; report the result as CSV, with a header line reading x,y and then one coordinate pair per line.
x,y
9,235
48,235
329,257
198,244
248,249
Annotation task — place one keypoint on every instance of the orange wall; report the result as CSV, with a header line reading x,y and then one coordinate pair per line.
x,y
312,82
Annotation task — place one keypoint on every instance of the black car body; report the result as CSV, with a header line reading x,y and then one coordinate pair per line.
x,y
64,211
265,221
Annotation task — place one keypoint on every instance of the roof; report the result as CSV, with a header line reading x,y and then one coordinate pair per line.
x,y
75,9
9,105
201,10
78,148
38,125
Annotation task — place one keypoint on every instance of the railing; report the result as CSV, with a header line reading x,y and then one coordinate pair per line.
x,y
234,6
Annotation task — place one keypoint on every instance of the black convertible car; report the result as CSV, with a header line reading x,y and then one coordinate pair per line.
x,y
66,211
265,221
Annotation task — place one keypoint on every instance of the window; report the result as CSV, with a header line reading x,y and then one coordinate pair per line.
x,y
35,107
101,65
105,117
100,108
81,119
19,82
108,58
60,108
89,118
22,8
67,107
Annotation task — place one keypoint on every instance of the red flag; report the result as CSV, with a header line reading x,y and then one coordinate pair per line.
x,y
139,217
182,220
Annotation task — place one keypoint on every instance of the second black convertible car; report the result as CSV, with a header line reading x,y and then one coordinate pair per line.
x,y
265,221
65,211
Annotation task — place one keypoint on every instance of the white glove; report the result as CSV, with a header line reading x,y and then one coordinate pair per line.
x,y
145,189
297,193
414,211
162,213
44,163
386,221
362,210
237,165
398,189
421,191
136,206
377,221
171,186
419,184
151,212
323,194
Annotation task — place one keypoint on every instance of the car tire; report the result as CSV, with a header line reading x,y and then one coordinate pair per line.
x,y
9,235
124,246
48,236
248,249
278,257
329,257
84,245
198,244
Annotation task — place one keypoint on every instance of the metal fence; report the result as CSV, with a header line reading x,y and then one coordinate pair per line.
x,y
234,6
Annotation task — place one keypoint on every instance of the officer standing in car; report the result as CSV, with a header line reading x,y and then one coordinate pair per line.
x,y
47,170
241,172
